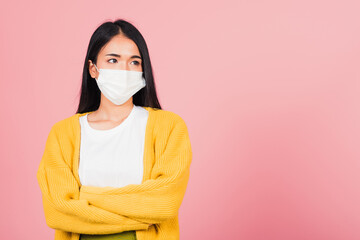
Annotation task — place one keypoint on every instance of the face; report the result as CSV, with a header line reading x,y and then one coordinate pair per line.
x,y
119,53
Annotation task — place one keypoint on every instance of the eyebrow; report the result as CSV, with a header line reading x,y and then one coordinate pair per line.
x,y
117,55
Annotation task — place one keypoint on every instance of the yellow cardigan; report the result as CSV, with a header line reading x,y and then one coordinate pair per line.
x,y
150,208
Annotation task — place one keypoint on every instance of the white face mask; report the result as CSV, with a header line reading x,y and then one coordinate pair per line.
x,y
119,85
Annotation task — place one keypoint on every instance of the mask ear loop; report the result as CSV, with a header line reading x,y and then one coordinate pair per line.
x,y
96,69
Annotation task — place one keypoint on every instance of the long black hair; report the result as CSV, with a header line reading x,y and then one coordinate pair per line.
x,y
90,92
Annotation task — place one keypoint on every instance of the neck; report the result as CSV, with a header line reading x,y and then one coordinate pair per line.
x,y
110,111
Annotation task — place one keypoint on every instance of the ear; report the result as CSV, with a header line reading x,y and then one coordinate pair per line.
x,y
92,70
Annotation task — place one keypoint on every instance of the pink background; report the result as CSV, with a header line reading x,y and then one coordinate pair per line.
x,y
269,90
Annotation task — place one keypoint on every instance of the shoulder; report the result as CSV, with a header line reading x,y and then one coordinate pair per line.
x,y
167,123
66,126
63,123
166,117
170,132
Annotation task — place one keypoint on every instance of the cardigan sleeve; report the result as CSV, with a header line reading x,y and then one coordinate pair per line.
x,y
60,196
159,198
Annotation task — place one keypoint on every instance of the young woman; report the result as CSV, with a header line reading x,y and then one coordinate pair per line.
x,y
119,167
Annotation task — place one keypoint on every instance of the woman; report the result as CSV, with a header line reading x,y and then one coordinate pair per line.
x,y
119,167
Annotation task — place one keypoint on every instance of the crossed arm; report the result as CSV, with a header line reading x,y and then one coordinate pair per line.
x,y
95,210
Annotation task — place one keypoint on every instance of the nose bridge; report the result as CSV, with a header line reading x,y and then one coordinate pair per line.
x,y
123,65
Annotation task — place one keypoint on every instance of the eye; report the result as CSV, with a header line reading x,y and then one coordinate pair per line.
x,y
112,59
136,62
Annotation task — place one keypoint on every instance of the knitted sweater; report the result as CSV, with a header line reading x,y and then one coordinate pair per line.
x,y
150,208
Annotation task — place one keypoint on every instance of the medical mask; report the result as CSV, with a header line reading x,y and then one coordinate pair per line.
x,y
119,85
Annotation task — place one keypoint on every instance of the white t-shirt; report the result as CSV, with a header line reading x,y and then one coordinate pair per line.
x,y
113,157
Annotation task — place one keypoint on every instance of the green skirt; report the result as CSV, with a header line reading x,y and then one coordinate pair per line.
x,y
127,235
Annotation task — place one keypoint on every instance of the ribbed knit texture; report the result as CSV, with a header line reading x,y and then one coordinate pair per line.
x,y
150,208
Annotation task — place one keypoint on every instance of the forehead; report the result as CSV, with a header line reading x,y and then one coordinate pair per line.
x,y
120,45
